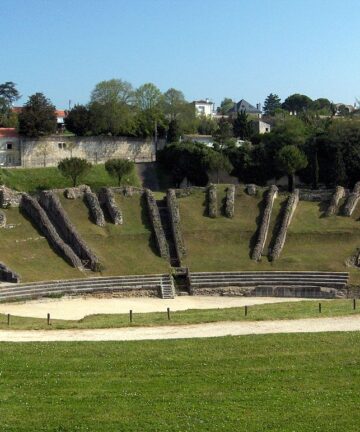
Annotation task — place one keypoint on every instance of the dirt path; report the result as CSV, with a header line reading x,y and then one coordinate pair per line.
x,y
312,325
72,308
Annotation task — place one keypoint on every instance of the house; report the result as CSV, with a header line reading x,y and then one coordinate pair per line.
x,y
204,108
243,105
9,147
260,126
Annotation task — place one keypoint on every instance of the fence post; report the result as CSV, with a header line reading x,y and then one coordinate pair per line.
x,y
246,310
48,319
319,307
131,316
168,313
354,303
8,319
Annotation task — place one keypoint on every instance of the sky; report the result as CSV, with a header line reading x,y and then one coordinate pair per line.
x,y
243,49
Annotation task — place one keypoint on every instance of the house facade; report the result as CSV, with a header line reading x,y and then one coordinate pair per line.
x,y
9,147
243,105
204,108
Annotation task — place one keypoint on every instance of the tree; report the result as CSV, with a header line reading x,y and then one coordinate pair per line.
x,y
74,168
223,133
339,169
118,168
78,120
173,103
225,106
173,133
147,97
291,160
242,126
297,103
271,104
37,117
216,162
8,95
44,149
111,118
322,106
113,91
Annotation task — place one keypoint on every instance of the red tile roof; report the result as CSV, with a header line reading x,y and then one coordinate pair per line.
x,y
8,133
59,113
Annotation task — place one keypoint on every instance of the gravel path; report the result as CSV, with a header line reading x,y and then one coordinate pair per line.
x,y
311,325
72,308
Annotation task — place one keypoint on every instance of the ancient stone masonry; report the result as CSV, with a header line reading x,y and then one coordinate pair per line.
x,y
9,198
290,208
39,217
128,191
107,199
335,199
230,201
271,194
154,215
184,192
2,219
250,189
95,209
7,275
51,203
352,200
76,192
315,195
212,201
174,212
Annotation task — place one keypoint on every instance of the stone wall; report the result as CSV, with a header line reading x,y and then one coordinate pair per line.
x,y
74,192
290,208
212,201
155,220
184,192
174,213
2,219
94,207
51,150
51,203
352,200
315,195
335,199
107,200
7,275
271,194
41,220
128,191
9,197
230,201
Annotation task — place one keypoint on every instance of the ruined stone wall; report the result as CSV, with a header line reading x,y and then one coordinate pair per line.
x,y
128,191
94,207
2,219
174,212
74,192
41,220
51,203
230,201
154,215
335,199
271,194
9,197
212,201
290,208
107,199
352,200
184,192
7,275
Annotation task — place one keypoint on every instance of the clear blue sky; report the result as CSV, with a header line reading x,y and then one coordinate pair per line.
x,y
206,48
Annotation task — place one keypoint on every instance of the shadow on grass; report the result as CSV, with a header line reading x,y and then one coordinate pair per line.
x,y
323,206
261,206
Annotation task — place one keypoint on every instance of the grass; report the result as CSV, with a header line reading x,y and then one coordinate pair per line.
x,y
313,241
278,311
34,179
288,382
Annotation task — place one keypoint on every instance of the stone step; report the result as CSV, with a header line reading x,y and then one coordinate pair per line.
x,y
267,283
270,273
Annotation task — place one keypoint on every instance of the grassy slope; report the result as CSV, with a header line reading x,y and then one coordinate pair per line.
x,y
291,310
125,249
24,250
313,242
274,383
32,179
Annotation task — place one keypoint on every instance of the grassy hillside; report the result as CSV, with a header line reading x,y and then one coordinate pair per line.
x,y
123,249
286,382
313,242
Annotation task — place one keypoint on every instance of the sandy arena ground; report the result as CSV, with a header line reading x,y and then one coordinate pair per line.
x,y
311,325
74,308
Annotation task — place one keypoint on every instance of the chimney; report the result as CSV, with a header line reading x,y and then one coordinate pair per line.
x,y
258,106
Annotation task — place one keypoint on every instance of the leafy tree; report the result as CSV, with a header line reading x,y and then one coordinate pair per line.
x,y
217,162
206,125
78,120
111,118
223,133
339,169
173,133
37,117
173,103
225,106
271,104
74,168
322,106
291,160
297,103
242,126
148,97
8,95
112,91
119,168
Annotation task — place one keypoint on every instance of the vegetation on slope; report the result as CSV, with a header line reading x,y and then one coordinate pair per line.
x,y
281,382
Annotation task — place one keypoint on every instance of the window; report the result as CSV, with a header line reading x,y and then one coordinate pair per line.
x,y
62,146
266,129
9,146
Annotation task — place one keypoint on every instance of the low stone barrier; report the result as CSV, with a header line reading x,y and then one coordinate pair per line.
x,y
335,199
250,189
7,275
9,197
51,203
128,191
174,213
155,220
230,201
95,209
315,194
212,201
290,208
352,200
271,194
107,199
76,192
2,219
41,220
184,192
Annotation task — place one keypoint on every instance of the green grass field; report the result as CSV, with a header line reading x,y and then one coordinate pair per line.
x,y
294,382
313,241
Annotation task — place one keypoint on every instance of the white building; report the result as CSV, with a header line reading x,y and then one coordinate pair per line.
x,y
204,108
9,147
